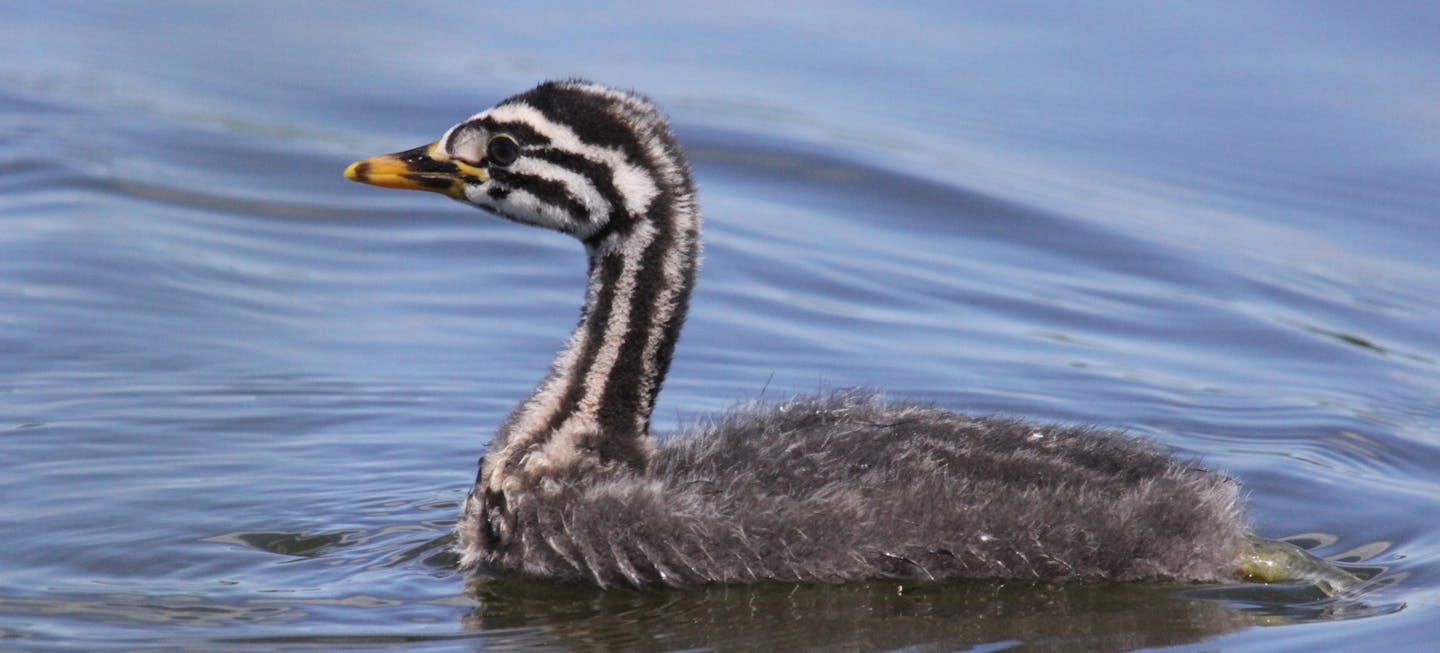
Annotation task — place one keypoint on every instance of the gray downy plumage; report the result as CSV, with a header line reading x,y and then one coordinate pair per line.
x,y
846,487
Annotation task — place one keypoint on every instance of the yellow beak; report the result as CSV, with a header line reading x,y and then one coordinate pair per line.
x,y
423,168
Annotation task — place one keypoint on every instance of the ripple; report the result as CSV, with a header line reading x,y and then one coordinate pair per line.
x,y
303,545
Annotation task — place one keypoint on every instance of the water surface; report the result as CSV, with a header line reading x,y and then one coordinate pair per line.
x,y
241,397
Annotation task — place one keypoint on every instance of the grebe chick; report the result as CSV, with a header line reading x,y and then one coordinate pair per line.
x,y
834,488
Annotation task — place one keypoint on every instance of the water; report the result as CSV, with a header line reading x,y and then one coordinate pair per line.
x,y
240,396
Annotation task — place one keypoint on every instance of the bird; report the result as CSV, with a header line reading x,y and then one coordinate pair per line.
x,y
844,486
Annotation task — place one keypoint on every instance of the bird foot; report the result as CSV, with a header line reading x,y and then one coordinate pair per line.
x,y
1273,561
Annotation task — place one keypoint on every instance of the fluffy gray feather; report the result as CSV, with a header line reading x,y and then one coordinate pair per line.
x,y
846,487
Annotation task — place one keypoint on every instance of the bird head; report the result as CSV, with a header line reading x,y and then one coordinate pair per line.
x,y
572,156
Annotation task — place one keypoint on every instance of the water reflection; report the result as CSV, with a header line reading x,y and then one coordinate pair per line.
x,y
856,617
888,616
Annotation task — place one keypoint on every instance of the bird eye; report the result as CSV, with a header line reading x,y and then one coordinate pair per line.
x,y
502,150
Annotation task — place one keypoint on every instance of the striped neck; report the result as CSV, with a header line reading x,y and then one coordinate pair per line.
x,y
593,408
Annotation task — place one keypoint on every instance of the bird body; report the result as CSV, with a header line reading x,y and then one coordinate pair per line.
x,y
847,487
833,488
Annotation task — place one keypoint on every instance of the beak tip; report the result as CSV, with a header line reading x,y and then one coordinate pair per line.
x,y
357,171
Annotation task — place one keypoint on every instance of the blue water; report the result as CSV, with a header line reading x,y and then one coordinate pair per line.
x,y
241,397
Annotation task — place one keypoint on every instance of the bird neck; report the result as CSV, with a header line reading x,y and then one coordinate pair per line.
x,y
593,408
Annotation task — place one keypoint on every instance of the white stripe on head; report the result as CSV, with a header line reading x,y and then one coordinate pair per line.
x,y
579,186
634,183
521,202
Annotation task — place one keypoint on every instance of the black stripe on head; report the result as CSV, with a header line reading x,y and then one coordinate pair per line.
x,y
585,112
522,132
599,174
548,191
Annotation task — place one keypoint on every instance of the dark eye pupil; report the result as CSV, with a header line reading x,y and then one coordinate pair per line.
x,y
502,150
